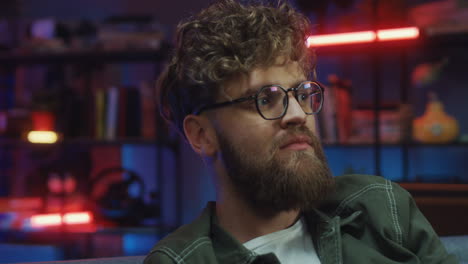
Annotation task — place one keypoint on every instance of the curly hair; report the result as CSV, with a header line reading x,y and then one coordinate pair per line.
x,y
224,40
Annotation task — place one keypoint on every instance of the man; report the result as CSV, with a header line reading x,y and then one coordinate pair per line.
x,y
240,87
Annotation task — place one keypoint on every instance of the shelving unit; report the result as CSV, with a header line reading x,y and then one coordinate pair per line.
x,y
425,44
162,139
443,203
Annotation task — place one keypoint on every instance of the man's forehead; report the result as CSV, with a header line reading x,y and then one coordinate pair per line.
x,y
285,74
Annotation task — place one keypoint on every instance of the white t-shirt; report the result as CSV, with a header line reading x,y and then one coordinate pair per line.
x,y
291,245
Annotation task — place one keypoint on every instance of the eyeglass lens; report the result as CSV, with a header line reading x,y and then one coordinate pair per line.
x,y
272,100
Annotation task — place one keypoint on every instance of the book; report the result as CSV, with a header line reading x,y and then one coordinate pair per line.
x,y
112,113
100,103
133,113
148,111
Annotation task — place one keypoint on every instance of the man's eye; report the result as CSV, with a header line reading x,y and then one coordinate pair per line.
x,y
263,101
303,97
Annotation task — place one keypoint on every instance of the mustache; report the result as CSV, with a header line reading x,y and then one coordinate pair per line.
x,y
293,132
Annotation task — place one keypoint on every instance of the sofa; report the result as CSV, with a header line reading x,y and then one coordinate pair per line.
x,y
115,260
457,245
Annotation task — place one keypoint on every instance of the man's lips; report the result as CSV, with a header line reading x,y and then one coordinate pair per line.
x,y
297,143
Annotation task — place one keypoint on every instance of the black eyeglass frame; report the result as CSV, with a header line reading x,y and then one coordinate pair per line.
x,y
255,96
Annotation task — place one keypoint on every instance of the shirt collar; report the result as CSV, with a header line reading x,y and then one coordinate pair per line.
x,y
227,249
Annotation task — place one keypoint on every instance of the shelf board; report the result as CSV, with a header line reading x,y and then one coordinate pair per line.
x,y
410,145
437,190
453,144
139,141
435,187
87,57
88,142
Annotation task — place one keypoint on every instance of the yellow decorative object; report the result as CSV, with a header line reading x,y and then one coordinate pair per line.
x,y
435,126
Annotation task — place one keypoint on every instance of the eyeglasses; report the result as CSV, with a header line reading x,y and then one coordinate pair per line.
x,y
272,100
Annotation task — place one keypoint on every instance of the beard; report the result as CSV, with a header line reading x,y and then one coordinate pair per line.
x,y
275,182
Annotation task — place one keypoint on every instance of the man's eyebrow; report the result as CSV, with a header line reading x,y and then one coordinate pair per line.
x,y
296,84
253,91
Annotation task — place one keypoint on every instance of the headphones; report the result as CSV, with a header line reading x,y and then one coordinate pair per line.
x,y
121,199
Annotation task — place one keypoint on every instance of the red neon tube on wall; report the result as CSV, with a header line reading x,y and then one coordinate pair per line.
x,y
341,38
363,37
398,33
77,218
43,220
72,218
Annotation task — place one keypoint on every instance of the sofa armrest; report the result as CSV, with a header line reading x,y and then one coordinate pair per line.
x,y
457,245
114,260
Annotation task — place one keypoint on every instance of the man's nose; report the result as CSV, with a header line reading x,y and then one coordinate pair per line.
x,y
294,114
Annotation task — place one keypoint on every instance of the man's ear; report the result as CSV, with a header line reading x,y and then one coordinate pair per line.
x,y
200,134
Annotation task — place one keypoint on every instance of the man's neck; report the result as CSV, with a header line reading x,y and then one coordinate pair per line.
x,y
242,222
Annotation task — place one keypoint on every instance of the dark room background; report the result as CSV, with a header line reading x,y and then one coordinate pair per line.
x,y
178,178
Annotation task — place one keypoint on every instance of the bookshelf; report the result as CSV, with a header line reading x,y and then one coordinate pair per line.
x,y
162,141
433,42
435,174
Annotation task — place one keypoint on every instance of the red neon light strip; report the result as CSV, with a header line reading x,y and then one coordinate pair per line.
x,y
46,220
342,38
363,37
398,33
77,218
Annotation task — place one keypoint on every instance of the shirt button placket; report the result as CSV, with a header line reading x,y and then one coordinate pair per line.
x,y
330,242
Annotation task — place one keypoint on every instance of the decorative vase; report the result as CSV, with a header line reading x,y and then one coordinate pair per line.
x,y
435,126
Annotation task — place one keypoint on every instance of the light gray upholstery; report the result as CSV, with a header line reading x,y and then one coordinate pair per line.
x,y
116,260
457,245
